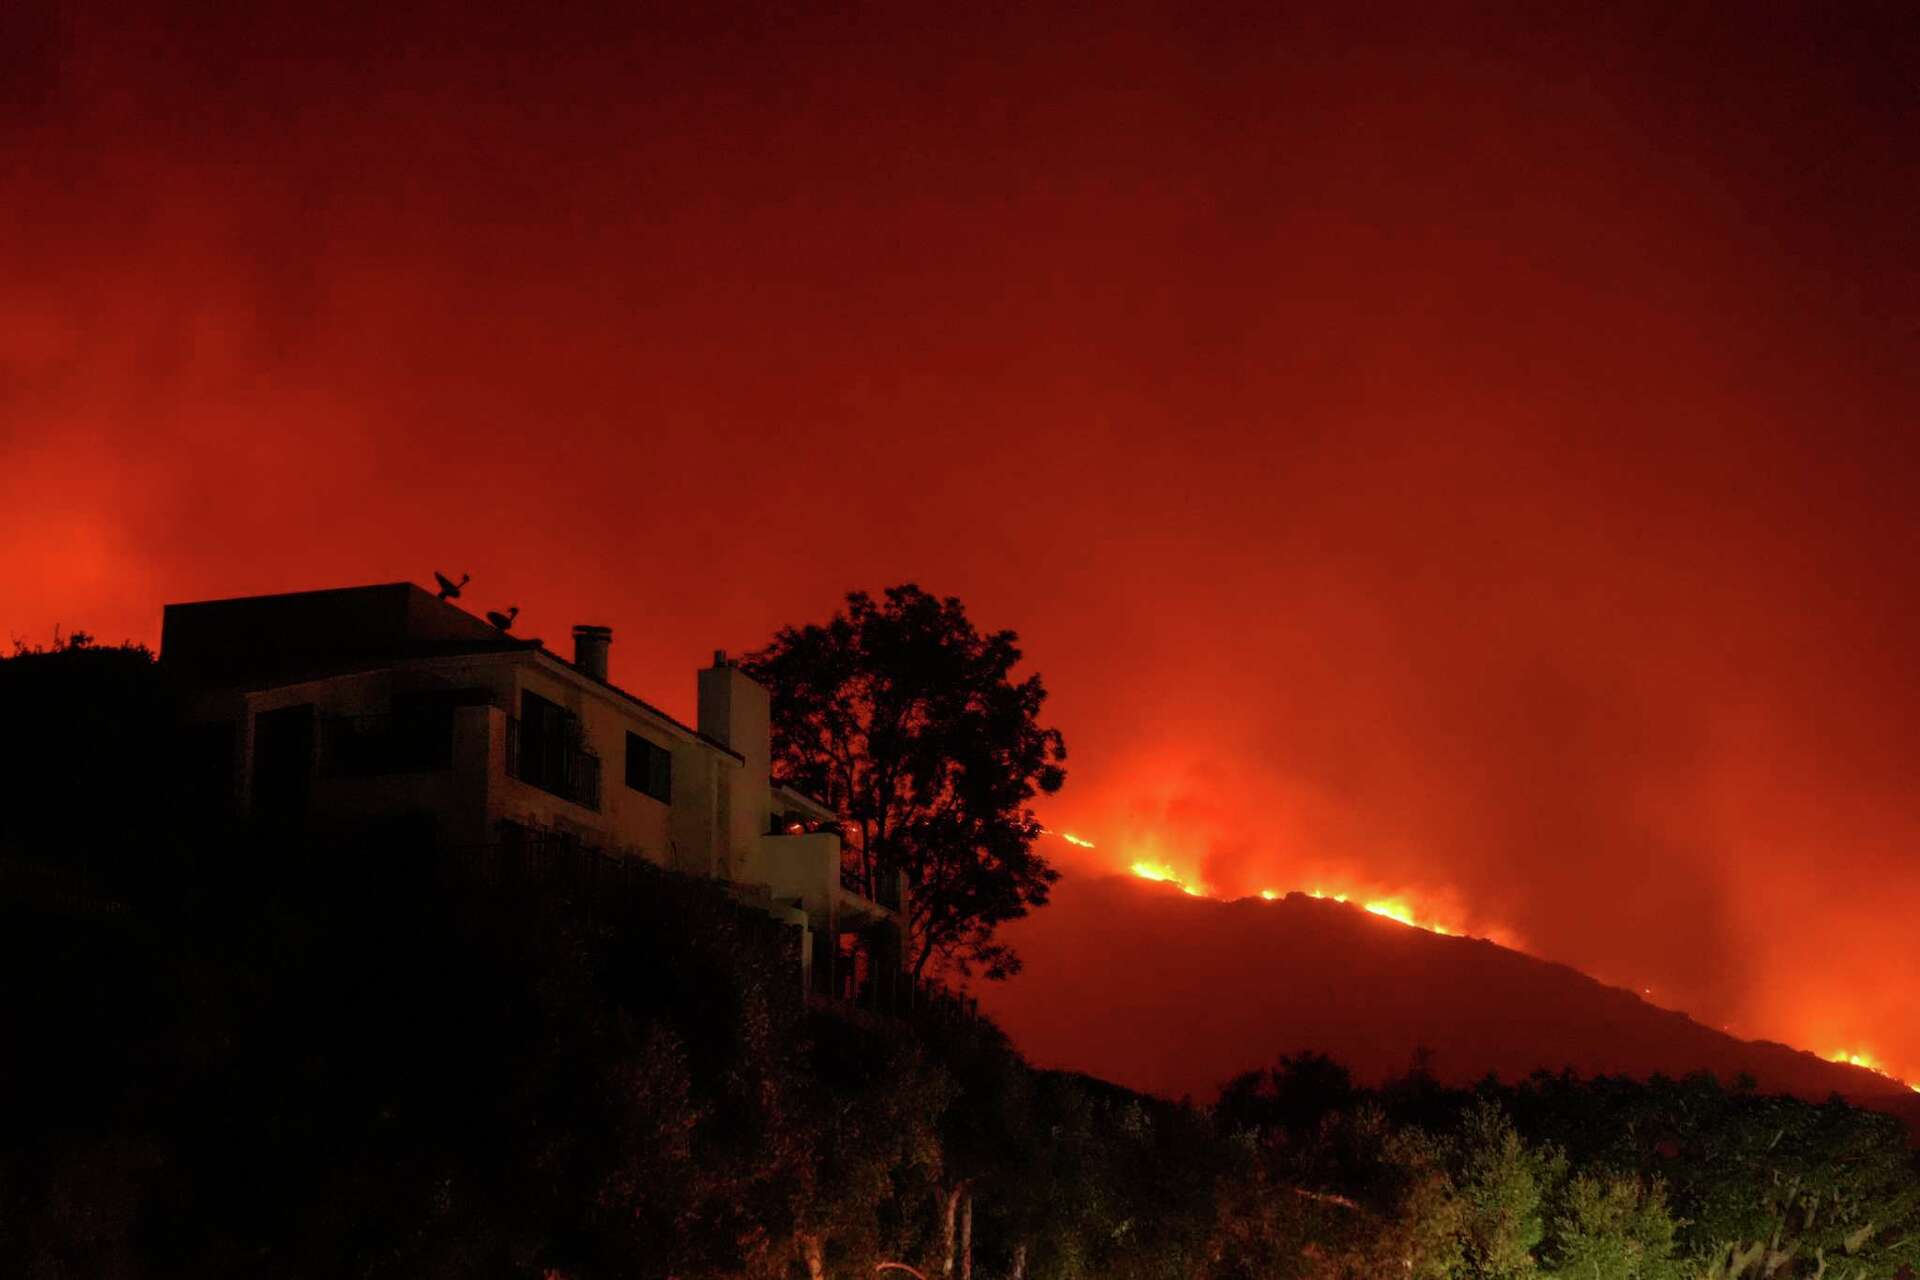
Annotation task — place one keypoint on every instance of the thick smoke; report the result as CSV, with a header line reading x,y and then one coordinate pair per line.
x,y
1431,460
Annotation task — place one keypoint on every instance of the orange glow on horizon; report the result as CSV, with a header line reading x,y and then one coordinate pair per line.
x,y
1396,909
1871,1063
1401,911
1160,873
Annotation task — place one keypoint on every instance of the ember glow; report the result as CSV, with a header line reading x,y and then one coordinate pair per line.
x,y
1395,909
1404,914
1402,911
1166,875
1872,1064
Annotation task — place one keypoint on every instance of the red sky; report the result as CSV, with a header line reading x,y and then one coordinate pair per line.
x,y
1469,458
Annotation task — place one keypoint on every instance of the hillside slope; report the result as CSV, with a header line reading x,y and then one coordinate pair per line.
x,y
1174,994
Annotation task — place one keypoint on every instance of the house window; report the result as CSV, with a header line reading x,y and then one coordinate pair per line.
x,y
649,768
546,749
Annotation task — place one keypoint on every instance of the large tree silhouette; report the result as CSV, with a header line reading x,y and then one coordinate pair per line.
x,y
907,721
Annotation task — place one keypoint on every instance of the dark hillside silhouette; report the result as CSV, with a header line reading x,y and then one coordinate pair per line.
x,y
1190,990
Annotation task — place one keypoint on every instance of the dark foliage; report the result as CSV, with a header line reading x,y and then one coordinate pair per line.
x,y
337,1061
908,722
88,750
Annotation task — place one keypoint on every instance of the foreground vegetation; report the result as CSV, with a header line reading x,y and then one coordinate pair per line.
x,y
235,1054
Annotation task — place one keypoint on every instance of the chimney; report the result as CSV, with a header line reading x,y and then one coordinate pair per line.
x,y
590,645
734,711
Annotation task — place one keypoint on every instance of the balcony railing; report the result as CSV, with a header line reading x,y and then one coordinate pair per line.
x,y
886,885
554,764
378,745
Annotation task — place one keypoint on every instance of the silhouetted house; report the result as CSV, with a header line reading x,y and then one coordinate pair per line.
x,y
349,709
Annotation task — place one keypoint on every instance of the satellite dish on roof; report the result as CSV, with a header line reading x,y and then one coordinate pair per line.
x,y
449,589
504,621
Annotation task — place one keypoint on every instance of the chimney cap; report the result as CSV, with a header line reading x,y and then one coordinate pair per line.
x,y
720,658
592,629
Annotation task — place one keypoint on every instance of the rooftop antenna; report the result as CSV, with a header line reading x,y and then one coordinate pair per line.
x,y
449,589
504,621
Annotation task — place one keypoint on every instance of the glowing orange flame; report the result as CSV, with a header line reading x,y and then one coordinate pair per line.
x,y
1872,1064
1071,838
1165,875
1402,911
1390,908
1155,865
1395,909
1399,911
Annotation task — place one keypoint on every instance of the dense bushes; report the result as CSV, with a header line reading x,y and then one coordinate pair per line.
x,y
1558,1176
346,1062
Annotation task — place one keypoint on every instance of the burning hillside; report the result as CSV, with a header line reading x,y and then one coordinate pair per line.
x,y
1193,989
1404,908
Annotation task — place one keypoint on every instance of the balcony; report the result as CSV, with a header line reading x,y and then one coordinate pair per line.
x,y
884,891
805,869
553,762
886,883
418,741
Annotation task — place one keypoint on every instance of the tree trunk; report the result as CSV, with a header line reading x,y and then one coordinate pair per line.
x,y
814,1250
920,961
866,857
948,1218
966,1238
1019,1271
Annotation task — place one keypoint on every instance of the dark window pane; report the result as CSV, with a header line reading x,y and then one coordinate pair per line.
x,y
660,776
649,768
636,762
550,752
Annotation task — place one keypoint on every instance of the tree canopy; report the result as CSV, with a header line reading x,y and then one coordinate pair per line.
x,y
910,723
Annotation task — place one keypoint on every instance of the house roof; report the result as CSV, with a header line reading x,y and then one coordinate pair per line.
x,y
260,642
637,701
255,638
